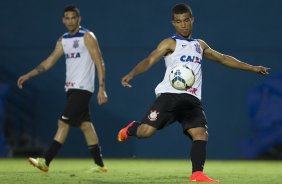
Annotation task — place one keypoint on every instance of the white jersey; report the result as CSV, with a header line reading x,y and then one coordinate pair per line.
x,y
80,68
188,52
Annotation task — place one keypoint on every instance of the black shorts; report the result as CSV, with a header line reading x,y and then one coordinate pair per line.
x,y
169,108
77,107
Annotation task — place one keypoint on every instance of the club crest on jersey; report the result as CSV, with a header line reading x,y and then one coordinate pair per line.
x,y
75,44
193,90
198,48
153,116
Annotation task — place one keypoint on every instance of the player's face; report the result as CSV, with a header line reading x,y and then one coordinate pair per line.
x,y
183,24
71,21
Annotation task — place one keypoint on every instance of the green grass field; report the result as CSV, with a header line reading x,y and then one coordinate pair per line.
x,y
135,171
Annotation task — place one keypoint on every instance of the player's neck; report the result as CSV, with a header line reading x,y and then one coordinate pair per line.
x,y
74,31
186,37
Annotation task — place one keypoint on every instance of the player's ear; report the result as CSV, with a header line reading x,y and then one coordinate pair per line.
x,y
192,20
79,19
173,23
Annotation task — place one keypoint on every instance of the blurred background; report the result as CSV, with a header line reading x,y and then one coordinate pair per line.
x,y
243,108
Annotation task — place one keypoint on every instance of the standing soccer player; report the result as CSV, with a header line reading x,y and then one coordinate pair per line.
x,y
178,105
82,53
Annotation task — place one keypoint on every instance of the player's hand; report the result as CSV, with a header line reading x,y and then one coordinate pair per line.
x,y
21,80
125,81
261,70
102,97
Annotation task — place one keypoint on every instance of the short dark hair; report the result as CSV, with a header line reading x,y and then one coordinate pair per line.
x,y
72,8
181,8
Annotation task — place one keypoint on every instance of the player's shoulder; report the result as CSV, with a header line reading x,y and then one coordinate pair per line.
x,y
168,41
203,44
201,41
167,44
87,33
59,40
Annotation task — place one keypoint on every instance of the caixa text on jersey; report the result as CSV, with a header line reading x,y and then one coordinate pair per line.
x,y
194,59
72,55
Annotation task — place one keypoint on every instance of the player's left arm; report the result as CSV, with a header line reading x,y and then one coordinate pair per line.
x,y
92,45
230,61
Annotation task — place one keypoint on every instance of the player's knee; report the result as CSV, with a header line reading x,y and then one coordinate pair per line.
x,y
62,125
198,134
85,127
201,136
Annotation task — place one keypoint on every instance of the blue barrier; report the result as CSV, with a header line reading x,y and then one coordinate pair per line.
x,y
264,104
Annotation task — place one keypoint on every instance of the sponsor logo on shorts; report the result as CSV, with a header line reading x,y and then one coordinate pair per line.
x,y
153,116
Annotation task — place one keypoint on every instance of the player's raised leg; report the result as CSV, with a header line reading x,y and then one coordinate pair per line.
x,y
140,130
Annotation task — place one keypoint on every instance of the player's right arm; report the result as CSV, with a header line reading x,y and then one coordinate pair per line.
x,y
166,46
44,65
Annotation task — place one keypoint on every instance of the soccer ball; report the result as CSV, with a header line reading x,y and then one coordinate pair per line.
x,y
181,77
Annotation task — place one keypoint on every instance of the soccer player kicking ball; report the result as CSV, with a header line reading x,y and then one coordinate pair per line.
x,y
183,106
